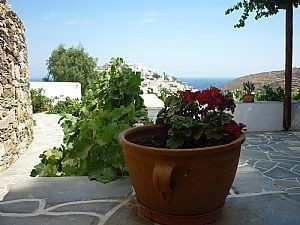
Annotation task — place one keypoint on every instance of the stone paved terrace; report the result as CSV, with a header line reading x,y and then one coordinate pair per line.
x,y
266,190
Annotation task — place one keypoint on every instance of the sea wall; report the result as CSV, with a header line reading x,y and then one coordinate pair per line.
x,y
15,104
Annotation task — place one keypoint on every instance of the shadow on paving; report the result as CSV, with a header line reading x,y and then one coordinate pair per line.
x,y
78,201
62,200
266,189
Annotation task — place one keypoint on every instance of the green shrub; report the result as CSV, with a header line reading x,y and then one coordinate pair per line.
x,y
156,76
150,90
296,96
68,106
40,102
248,87
268,94
236,95
111,104
164,93
51,163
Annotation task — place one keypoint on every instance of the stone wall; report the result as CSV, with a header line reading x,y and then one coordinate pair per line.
x,y
15,105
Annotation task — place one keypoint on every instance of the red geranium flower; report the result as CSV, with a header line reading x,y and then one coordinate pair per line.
x,y
227,103
233,128
212,98
196,113
215,91
188,96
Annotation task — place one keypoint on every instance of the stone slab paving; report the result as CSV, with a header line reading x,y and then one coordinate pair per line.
x,y
276,156
67,189
273,209
248,180
47,133
265,190
255,208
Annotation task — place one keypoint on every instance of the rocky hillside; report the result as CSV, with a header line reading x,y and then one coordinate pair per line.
x,y
273,78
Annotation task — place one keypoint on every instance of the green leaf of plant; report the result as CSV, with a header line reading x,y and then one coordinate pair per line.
x,y
38,169
197,133
54,153
83,149
175,141
110,103
105,175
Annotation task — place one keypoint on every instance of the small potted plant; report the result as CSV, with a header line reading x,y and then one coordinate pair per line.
x,y
248,87
182,168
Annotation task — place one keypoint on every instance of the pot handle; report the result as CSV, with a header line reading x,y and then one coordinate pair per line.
x,y
161,179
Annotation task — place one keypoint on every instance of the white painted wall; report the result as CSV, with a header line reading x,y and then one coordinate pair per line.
x,y
151,100
153,104
260,116
266,115
296,115
61,90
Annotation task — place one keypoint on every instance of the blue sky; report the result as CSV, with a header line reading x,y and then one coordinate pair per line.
x,y
183,38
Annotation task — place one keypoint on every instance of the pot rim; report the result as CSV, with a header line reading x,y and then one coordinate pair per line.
x,y
179,151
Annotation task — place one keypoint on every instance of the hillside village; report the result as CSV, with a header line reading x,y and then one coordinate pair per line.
x,y
154,81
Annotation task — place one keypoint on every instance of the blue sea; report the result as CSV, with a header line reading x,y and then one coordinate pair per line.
x,y
203,82
196,82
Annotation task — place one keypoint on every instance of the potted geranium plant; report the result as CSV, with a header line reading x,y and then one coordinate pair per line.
x,y
248,87
183,167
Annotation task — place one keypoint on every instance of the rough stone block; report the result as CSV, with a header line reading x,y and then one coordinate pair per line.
x,y
1,89
13,56
2,150
4,123
17,72
21,126
8,144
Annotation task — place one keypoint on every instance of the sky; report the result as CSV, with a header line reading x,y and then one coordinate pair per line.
x,y
184,38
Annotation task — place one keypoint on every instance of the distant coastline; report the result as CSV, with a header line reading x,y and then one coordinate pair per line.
x,y
205,82
274,79
195,82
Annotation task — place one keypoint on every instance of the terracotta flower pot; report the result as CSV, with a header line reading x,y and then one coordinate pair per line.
x,y
179,186
248,98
